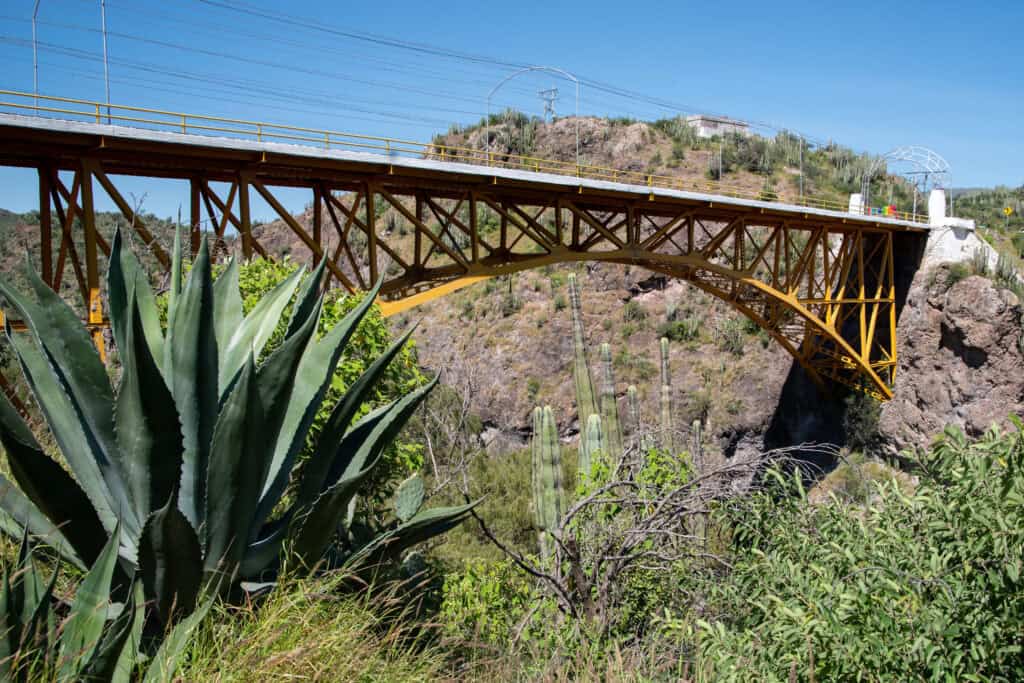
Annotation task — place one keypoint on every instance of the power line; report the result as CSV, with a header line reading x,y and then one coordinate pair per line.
x,y
247,85
223,83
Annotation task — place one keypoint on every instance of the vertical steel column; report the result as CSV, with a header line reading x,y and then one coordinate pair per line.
x,y
474,233
371,227
45,227
94,305
559,223
195,217
418,233
318,219
244,217
864,349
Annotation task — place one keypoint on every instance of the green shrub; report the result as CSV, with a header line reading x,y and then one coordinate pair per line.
x,y
633,311
1018,243
919,586
484,601
731,337
957,271
860,421
687,329
510,304
532,389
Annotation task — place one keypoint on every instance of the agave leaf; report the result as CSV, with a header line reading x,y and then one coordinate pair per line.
x,y
58,329
65,426
257,327
171,562
409,497
20,512
262,554
275,381
356,457
239,434
422,527
370,436
130,653
192,344
227,302
353,452
59,497
165,661
70,384
124,277
48,489
310,384
341,417
147,422
173,294
318,524
37,622
307,300
114,645
84,627
10,629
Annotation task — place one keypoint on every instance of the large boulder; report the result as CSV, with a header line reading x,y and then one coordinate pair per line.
x,y
960,359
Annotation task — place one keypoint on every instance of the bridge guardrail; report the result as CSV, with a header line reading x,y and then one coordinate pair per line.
x,y
181,122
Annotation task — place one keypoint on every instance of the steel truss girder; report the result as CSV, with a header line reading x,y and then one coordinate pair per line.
x,y
823,288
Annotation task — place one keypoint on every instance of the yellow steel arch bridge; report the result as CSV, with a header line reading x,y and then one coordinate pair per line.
x,y
430,219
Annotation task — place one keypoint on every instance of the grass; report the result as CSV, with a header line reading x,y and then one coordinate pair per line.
x,y
309,630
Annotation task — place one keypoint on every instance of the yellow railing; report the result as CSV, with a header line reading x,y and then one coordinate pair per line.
x,y
180,122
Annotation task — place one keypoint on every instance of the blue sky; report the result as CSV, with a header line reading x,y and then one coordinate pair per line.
x,y
871,75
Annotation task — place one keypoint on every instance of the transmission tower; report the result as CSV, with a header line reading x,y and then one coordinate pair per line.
x,y
549,96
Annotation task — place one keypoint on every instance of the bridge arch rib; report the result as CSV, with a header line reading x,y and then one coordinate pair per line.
x,y
825,292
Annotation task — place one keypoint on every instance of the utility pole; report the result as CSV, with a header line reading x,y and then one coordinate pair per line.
x,y
35,59
719,161
106,67
549,96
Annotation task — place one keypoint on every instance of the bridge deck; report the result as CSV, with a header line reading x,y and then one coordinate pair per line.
x,y
139,151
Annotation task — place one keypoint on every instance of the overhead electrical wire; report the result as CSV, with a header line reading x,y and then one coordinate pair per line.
x,y
246,85
221,29
590,85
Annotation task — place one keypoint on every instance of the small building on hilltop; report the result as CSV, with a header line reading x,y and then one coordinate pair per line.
x,y
709,126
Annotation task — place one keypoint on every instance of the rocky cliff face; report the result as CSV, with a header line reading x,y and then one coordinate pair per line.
x,y
961,359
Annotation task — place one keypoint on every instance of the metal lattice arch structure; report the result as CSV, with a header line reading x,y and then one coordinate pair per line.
x,y
818,279
923,168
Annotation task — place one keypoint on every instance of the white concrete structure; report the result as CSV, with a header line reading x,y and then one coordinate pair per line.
x,y
710,126
937,217
857,203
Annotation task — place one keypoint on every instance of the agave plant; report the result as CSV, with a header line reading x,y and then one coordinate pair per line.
x,y
92,638
193,457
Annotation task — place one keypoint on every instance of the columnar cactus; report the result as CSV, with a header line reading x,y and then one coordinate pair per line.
x,y
547,476
609,407
633,406
592,445
666,398
698,448
586,404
